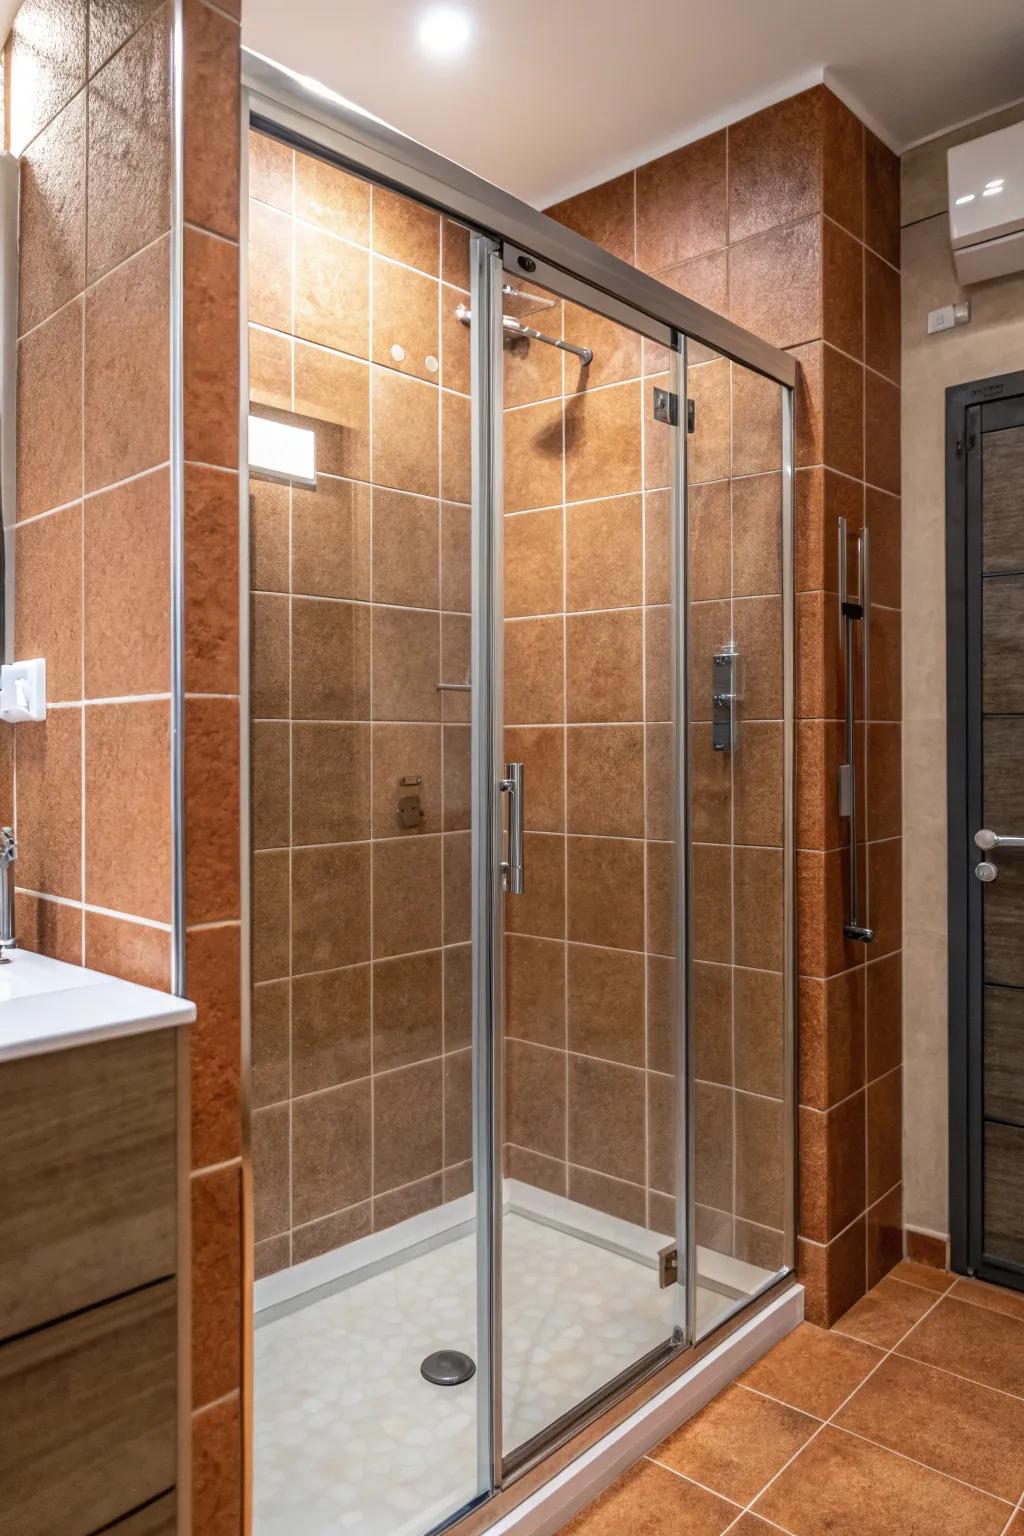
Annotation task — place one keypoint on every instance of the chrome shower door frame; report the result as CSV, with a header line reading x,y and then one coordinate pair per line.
x,y
507,232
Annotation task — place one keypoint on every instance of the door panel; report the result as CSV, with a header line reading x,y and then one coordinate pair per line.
x,y
1003,533
1004,1054
1003,626
1004,1192
591,1065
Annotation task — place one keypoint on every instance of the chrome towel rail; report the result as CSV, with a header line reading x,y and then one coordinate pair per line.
x,y
853,612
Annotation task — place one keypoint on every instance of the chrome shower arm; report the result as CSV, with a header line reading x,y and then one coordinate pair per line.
x,y
514,328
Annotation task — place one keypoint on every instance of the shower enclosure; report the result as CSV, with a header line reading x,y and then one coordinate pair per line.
x,y
521,705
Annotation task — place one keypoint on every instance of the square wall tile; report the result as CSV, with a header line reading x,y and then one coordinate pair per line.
x,y
775,161
44,79
330,907
330,532
51,236
535,1098
405,433
212,87
133,951
128,808
216,1197
775,283
405,322
607,1126
271,275
130,148
127,572
330,1029
49,820
213,959
693,178
330,778
331,198
334,392
604,214
406,231
212,801
127,369
603,443
331,1150
407,1143
211,580
48,611
211,349
332,291
49,464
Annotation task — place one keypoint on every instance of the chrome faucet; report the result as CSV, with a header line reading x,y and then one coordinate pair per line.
x,y
8,854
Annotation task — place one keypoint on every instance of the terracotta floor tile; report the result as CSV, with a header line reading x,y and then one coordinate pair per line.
x,y
648,1501
886,1313
996,1297
972,1341
736,1443
968,1431
842,1486
753,1525
920,1274
812,1370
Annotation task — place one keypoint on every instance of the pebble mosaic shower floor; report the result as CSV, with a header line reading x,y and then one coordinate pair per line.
x,y
348,1435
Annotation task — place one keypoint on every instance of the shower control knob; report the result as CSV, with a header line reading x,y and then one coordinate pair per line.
x,y
986,872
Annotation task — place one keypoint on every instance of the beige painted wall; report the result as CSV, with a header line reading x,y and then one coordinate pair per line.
x,y
992,343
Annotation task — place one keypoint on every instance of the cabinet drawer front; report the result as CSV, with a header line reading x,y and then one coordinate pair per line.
x,y
87,1176
89,1410
157,1519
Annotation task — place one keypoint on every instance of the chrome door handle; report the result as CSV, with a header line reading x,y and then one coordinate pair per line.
x,y
986,841
512,867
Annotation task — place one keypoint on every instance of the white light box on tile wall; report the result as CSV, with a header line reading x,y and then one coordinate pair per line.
x,y
281,451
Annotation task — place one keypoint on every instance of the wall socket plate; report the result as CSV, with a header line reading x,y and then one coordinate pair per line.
x,y
23,691
948,316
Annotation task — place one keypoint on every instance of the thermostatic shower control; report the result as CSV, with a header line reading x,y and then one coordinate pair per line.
x,y
724,666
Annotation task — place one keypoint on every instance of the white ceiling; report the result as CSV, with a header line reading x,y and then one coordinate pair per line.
x,y
555,95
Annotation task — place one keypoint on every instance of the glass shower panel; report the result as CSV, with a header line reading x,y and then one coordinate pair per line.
x,y
591,1071
366,1250
737,803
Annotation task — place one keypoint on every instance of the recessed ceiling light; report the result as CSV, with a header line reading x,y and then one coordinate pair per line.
x,y
444,31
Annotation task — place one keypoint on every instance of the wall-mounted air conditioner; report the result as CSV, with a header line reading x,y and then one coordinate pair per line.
x,y
986,205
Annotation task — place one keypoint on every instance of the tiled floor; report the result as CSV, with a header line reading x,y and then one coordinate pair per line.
x,y
908,1417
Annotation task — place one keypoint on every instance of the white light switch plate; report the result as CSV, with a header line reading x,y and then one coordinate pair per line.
x,y
23,691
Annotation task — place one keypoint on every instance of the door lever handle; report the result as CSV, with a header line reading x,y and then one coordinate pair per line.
x,y
986,841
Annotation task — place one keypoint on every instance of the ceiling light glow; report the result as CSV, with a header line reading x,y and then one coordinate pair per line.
x,y
444,31
992,191
998,182
968,197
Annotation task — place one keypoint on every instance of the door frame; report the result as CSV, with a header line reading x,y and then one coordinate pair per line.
x,y
964,406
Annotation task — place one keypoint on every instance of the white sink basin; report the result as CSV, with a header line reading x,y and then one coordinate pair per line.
x,y
46,1005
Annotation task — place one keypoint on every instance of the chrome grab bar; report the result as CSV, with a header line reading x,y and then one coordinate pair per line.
x,y
853,611
512,867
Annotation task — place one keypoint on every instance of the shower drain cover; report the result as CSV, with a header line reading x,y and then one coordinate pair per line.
x,y
447,1368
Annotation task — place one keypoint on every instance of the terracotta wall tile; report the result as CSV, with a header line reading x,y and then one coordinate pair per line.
x,y
331,1150
212,89
47,65
216,1283
882,433
535,1098
211,580
51,928
127,369
885,1235
775,159
405,321
128,808
48,611
881,317
49,823
533,563
606,1118
884,1133
604,214
51,235
217,1468
775,283
842,280
881,198
273,168
331,291
842,164
407,231
212,873
213,965
407,1144
883,1015
49,464
211,350
325,195
693,178
331,1030
271,275
135,951
831,1044
130,148
127,570
843,413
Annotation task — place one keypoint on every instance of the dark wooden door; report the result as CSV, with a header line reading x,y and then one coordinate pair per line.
x,y
988,949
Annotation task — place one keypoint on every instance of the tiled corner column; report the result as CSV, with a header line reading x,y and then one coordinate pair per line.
x,y
90,98
210,406
788,222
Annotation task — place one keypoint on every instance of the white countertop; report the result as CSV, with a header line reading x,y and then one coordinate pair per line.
x,y
46,1005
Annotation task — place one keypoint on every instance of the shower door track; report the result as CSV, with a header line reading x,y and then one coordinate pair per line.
x,y
512,237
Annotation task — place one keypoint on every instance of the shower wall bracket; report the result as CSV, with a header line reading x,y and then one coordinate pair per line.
x,y
724,698
854,613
